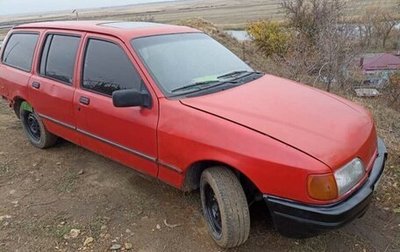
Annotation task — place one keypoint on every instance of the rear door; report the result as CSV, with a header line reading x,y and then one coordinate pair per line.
x,y
52,88
127,135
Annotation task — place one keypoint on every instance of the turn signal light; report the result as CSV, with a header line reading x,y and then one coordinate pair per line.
x,y
322,187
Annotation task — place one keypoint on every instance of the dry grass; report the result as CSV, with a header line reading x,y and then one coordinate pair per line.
x,y
388,124
357,7
226,14
3,33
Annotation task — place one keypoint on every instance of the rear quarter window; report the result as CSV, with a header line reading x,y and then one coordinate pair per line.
x,y
19,50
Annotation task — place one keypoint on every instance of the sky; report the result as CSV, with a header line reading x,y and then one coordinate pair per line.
x,y
18,7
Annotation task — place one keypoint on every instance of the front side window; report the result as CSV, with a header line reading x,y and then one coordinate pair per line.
x,y
107,68
58,57
179,61
19,50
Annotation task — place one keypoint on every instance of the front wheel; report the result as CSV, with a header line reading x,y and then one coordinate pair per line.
x,y
225,207
34,129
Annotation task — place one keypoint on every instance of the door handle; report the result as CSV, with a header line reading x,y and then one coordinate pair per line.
x,y
84,100
36,85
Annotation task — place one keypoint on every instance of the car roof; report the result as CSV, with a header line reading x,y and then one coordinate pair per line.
x,y
121,29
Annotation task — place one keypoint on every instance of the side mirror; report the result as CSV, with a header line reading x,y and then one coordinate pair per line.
x,y
131,98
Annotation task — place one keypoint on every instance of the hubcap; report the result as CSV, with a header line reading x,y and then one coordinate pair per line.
x,y
212,210
33,126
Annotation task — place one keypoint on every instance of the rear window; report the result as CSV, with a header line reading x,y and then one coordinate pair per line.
x,y
58,57
19,50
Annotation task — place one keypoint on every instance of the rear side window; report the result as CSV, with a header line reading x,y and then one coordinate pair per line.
x,y
107,68
19,50
58,57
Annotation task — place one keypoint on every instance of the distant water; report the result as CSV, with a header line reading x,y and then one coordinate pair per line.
x,y
239,35
19,7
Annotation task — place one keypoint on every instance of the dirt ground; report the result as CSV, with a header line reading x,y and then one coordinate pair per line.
x,y
46,193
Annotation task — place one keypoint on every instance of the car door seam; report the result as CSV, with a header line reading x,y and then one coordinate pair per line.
x,y
130,150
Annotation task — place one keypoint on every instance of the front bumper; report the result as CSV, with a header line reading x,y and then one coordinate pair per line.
x,y
299,220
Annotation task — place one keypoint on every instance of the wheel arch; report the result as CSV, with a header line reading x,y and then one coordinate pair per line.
x,y
194,171
16,104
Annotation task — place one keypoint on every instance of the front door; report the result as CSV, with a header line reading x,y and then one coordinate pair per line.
x,y
127,135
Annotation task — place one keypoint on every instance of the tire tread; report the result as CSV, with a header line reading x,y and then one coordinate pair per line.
x,y
233,204
47,139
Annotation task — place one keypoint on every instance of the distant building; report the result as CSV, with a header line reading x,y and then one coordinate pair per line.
x,y
377,68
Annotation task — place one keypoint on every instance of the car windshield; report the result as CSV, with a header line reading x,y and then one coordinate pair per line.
x,y
182,63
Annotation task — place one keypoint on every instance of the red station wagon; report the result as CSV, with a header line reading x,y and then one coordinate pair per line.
x,y
172,103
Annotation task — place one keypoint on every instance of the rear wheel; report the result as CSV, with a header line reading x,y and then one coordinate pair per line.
x,y
225,207
34,129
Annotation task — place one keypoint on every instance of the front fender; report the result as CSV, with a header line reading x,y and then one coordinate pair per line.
x,y
187,136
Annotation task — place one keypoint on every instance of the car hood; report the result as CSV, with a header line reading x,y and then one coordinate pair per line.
x,y
324,126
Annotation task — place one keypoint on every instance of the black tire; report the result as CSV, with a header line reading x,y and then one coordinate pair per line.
x,y
231,227
35,130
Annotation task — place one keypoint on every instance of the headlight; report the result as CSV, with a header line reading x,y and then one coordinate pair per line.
x,y
349,175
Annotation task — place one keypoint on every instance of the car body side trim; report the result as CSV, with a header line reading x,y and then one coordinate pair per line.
x,y
170,167
130,150
57,121
137,153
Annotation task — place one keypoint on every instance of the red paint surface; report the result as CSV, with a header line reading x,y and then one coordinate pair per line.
x,y
274,131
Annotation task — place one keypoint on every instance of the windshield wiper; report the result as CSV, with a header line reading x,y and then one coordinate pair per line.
x,y
232,78
233,74
195,85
